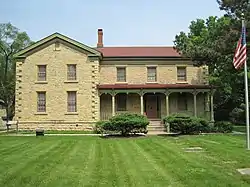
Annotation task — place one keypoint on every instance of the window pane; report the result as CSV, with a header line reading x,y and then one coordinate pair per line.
x,y
41,102
41,73
121,74
71,73
181,74
151,74
71,101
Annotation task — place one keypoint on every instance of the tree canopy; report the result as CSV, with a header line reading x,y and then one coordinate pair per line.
x,y
11,41
212,42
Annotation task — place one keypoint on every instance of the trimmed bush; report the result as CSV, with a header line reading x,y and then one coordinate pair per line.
x,y
223,126
237,115
185,124
99,127
127,123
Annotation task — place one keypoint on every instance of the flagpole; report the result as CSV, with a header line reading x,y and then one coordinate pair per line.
x,y
246,94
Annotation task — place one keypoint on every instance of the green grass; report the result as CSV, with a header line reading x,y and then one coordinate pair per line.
x,y
240,128
146,161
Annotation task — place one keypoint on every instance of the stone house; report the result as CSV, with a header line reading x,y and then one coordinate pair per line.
x,y
64,84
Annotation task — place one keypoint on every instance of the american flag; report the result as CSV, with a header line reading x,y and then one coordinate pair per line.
x,y
240,55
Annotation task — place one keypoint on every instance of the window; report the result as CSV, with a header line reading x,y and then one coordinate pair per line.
x,y
152,74
121,102
41,101
41,76
182,101
181,74
121,74
71,101
57,46
71,74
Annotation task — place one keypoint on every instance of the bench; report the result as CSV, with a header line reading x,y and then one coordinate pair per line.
x,y
11,123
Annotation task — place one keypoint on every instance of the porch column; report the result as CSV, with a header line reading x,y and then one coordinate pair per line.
x,y
212,106
141,96
195,104
167,104
113,104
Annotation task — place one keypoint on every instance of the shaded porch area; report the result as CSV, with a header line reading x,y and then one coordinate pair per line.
x,y
156,103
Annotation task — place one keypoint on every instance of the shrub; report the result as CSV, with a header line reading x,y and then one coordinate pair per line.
x,y
186,124
237,115
127,123
223,126
99,127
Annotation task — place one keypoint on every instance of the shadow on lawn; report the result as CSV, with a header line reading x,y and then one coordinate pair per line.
x,y
122,136
169,135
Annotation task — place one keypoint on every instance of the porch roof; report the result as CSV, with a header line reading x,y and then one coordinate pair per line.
x,y
152,86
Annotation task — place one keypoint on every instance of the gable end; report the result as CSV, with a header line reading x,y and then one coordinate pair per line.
x,y
24,52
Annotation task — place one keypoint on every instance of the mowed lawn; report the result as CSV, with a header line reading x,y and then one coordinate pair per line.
x,y
146,161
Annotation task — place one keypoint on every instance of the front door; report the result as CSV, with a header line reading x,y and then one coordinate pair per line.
x,y
151,106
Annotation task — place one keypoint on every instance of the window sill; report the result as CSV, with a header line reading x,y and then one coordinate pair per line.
x,y
41,82
41,113
71,81
181,82
71,113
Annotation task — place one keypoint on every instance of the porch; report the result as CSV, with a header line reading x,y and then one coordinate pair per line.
x,y
157,103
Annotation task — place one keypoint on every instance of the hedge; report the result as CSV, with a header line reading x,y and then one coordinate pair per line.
x,y
185,124
124,124
223,126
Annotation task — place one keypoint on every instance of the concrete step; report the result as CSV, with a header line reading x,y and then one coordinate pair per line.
x,y
160,128
155,123
157,130
154,119
155,126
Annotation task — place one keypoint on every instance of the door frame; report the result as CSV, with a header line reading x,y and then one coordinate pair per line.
x,y
157,100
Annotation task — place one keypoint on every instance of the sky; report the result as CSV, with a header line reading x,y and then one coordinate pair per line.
x,y
124,22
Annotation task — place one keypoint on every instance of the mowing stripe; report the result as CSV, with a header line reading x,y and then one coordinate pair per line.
x,y
129,161
87,164
96,174
61,172
146,151
198,163
21,156
25,164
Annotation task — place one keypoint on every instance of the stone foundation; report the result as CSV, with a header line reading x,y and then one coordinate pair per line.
x,y
56,125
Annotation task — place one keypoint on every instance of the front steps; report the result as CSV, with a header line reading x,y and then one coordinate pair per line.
x,y
155,127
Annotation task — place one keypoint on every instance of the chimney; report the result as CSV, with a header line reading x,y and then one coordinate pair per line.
x,y
100,38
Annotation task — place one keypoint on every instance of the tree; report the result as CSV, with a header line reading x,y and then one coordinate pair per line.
x,y
11,41
235,8
212,42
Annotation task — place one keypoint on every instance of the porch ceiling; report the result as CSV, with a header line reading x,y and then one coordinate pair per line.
x,y
152,86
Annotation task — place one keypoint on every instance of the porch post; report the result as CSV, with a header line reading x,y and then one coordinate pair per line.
x,y
212,106
195,104
113,104
141,96
167,93
167,104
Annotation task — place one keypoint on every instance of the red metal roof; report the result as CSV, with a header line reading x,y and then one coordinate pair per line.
x,y
139,52
153,85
